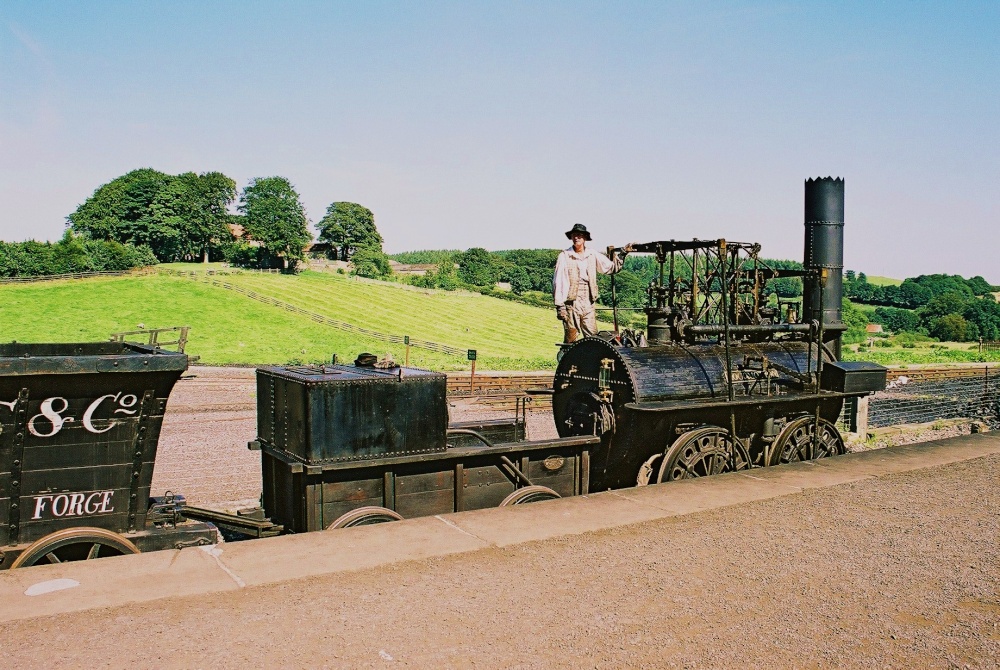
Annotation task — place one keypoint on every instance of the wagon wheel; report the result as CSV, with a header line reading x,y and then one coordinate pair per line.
x,y
365,516
529,494
74,544
702,452
795,441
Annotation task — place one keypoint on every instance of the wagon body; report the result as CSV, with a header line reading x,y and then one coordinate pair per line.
x,y
79,426
338,438
305,497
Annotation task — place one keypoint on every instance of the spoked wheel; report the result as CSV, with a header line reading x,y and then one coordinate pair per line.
x,y
795,441
702,452
365,516
74,544
529,494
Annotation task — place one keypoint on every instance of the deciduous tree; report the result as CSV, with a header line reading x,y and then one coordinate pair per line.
x,y
274,216
348,226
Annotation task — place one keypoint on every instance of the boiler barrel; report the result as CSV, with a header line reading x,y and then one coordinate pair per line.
x,y
646,374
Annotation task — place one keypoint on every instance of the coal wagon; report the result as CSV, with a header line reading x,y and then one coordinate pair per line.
x,y
79,426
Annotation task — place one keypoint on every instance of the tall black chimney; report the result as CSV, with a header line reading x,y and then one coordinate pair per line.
x,y
824,220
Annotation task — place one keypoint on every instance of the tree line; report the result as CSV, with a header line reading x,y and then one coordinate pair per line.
x,y
946,307
914,292
70,255
147,216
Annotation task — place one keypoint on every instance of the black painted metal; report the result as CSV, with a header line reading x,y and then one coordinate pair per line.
x,y
854,377
824,249
652,392
307,498
323,414
79,425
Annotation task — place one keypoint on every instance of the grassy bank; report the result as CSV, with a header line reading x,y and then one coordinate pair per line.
x,y
228,327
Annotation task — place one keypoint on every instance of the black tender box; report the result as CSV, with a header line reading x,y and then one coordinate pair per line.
x,y
853,377
331,413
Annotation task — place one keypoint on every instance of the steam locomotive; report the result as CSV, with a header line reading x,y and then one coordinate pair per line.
x,y
719,381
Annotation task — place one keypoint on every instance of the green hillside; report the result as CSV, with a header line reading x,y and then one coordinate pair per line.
x,y
883,281
230,327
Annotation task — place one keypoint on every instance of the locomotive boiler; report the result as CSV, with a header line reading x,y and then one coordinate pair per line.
x,y
721,380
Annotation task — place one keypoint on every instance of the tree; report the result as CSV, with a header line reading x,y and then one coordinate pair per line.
x,y
519,279
196,206
348,226
120,211
950,328
897,320
274,216
370,262
942,305
979,285
178,217
478,267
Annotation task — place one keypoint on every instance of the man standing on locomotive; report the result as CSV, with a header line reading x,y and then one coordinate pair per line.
x,y
575,283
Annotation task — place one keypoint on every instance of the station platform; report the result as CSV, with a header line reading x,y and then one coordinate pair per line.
x,y
208,571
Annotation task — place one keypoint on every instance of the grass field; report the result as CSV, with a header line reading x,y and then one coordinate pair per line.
x,y
227,327
883,281
921,353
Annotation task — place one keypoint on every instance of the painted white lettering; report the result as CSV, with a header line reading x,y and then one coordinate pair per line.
x,y
106,502
89,414
85,503
126,402
75,505
9,405
53,415
60,504
90,500
40,506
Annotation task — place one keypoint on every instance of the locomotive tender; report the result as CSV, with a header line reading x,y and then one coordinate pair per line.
x,y
720,381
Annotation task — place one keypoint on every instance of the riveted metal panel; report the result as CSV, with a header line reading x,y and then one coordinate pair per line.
x,y
339,413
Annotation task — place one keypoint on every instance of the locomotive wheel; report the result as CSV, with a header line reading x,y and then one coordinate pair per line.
x,y
795,441
529,494
365,516
74,544
702,452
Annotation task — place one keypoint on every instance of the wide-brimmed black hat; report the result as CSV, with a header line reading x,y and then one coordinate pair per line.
x,y
578,228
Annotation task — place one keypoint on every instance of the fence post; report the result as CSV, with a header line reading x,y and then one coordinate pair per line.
x,y
472,375
859,417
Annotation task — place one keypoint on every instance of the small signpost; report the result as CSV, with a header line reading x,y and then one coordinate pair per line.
x,y
406,341
472,375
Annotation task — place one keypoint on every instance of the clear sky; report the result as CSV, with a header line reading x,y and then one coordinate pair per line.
x,y
500,124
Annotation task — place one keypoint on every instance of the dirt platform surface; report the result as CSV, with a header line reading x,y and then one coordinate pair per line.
x,y
896,571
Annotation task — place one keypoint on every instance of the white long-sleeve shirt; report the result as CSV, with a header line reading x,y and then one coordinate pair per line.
x,y
584,265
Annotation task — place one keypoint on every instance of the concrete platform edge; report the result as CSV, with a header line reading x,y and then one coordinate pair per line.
x,y
81,586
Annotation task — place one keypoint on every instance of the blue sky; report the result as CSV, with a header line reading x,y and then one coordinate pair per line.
x,y
500,125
